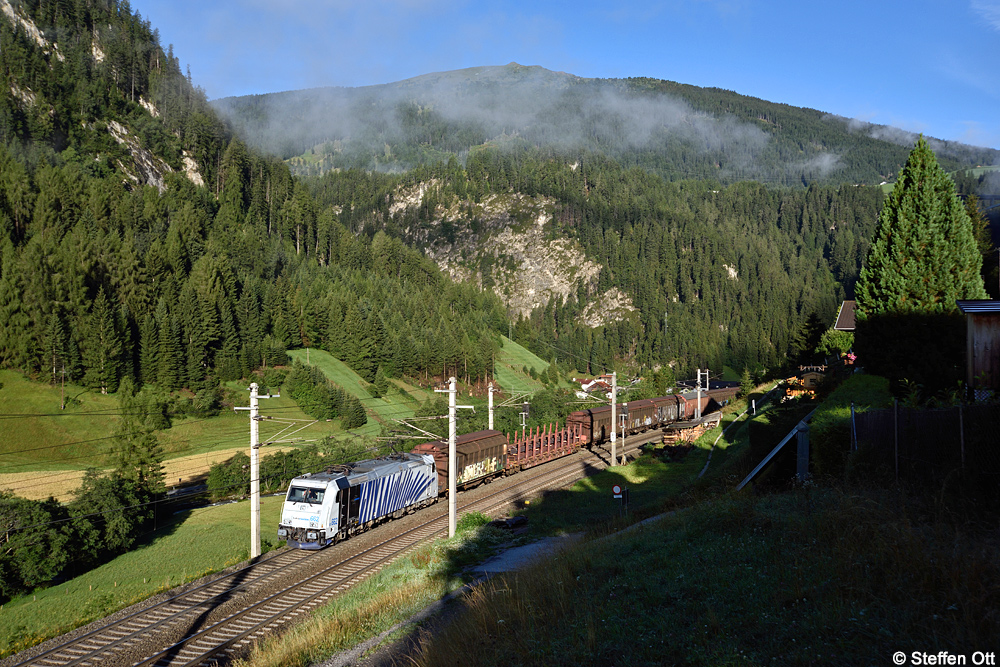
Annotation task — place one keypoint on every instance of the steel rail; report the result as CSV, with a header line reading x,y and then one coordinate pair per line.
x,y
103,643
265,568
245,625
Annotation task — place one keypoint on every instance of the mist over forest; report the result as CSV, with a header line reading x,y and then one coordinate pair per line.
x,y
674,130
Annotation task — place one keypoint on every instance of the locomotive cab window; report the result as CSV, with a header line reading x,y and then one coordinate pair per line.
x,y
299,494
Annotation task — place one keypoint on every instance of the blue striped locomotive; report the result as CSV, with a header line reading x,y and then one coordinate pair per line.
x,y
324,507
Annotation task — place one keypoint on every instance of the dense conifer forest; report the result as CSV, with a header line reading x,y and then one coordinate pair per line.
x,y
736,270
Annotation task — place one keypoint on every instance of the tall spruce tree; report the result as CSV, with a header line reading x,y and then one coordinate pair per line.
x,y
923,258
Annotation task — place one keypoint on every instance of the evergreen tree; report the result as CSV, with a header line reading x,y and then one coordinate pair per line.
x,y
923,258
984,241
149,350
381,383
924,255
102,347
136,453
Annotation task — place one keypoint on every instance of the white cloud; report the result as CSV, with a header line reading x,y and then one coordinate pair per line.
x,y
976,134
989,11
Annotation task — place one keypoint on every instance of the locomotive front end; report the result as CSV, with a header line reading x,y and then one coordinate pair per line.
x,y
309,515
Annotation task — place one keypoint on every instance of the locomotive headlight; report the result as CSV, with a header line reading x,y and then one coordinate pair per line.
x,y
311,536
282,532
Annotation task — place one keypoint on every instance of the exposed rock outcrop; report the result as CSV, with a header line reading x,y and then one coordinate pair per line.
x,y
29,27
146,168
506,242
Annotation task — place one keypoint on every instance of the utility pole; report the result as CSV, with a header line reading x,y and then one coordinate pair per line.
x,y
452,392
697,408
624,425
614,422
491,406
255,468
697,405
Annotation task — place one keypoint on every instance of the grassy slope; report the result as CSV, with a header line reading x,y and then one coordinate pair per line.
x,y
397,404
510,364
45,450
805,577
204,540
58,438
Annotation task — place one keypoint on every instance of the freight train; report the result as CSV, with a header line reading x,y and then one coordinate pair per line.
x,y
324,507
594,424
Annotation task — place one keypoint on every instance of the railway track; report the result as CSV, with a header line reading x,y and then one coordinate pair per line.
x,y
209,623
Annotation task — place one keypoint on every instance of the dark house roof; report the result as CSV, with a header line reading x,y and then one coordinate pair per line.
x,y
845,318
979,306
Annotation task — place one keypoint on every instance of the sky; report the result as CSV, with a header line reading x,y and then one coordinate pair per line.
x,y
926,66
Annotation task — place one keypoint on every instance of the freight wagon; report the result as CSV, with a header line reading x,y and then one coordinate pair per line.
x,y
594,424
479,456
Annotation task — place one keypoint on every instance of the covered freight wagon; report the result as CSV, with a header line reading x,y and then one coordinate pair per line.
x,y
640,416
669,408
480,455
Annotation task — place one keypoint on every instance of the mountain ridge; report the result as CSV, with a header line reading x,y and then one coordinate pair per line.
x,y
675,130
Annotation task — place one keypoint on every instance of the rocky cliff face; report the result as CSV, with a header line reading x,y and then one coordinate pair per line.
x,y
144,168
507,243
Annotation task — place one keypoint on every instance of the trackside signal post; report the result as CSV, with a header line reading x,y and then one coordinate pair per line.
x,y
255,468
452,392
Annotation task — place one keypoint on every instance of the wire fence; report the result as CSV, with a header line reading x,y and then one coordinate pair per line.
x,y
929,446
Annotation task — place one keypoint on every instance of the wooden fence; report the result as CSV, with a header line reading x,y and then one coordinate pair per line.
x,y
929,445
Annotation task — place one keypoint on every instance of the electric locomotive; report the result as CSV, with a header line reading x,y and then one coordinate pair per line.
x,y
324,507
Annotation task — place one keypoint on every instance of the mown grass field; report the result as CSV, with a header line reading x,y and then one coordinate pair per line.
x,y
46,451
37,434
196,543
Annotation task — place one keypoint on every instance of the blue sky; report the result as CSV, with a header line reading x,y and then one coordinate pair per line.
x,y
922,65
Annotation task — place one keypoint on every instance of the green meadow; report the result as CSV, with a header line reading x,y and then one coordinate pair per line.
x,y
193,544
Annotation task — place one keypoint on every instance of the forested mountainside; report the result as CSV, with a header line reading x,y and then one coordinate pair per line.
x,y
709,274
674,130
139,239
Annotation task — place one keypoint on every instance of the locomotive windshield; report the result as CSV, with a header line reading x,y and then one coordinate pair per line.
x,y
302,494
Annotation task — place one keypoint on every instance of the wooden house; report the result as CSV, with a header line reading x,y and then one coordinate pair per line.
x,y
982,346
